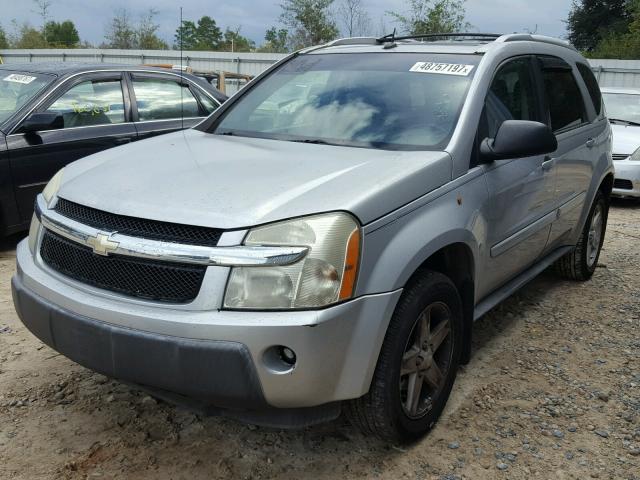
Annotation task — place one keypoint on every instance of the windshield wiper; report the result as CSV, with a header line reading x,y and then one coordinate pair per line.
x,y
624,122
314,141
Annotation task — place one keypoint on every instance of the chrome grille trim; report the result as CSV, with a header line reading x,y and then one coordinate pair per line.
x,y
237,256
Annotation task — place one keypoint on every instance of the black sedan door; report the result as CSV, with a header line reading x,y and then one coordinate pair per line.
x,y
164,103
96,112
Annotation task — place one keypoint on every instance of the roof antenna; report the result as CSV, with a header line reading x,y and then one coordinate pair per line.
x,y
181,74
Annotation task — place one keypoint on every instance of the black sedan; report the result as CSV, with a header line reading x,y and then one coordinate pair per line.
x,y
53,114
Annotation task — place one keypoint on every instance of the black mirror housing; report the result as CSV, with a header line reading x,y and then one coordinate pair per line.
x,y
42,121
517,139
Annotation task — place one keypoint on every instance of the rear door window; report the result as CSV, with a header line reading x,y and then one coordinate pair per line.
x,y
163,99
563,97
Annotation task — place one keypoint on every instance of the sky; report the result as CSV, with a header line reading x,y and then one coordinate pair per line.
x,y
254,17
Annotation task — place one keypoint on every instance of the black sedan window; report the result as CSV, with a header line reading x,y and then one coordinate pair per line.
x,y
159,99
97,102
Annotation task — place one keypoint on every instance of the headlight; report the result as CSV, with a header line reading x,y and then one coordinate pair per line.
x,y
635,155
33,232
326,275
52,187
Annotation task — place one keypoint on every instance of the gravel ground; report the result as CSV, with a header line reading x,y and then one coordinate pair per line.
x,y
552,391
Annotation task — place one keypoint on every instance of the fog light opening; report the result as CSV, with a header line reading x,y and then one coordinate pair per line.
x,y
280,359
287,355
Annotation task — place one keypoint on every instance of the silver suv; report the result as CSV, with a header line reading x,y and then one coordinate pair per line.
x,y
325,240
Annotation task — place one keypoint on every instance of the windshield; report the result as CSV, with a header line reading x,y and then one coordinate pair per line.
x,y
17,88
622,106
396,101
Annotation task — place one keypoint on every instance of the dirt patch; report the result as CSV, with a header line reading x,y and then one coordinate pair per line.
x,y
552,391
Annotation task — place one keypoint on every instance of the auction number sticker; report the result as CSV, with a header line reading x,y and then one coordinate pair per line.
x,y
458,69
14,77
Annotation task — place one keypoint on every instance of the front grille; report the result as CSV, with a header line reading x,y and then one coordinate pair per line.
x,y
620,156
138,227
148,279
622,184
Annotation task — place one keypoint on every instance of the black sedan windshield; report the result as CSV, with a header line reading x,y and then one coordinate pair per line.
x,y
17,88
403,101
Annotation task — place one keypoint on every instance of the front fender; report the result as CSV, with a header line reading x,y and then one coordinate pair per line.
x,y
396,246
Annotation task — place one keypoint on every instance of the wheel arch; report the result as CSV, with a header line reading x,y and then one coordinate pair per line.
x,y
455,261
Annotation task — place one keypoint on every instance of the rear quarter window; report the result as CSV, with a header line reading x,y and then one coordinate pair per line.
x,y
592,86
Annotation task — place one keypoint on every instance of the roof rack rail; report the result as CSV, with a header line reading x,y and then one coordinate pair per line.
x,y
389,40
437,36
527,37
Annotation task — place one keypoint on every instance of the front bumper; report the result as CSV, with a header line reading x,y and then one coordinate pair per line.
x,y
628,172
220,357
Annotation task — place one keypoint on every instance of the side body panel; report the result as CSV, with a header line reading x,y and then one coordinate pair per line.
x,y
9,216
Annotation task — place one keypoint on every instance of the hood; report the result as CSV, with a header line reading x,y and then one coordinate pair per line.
x,y
197,178
626,139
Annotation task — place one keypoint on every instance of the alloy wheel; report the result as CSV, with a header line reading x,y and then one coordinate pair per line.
x,y
426,360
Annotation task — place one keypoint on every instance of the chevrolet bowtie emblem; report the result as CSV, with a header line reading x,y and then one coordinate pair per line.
x,y
102,245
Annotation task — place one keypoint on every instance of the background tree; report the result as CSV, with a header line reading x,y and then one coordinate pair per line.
x,y
355,19
25,36
146,36
275,41
206,35
186,36
42,9
590,21
234,42
4,42
61,34
433,16
310,22
120,31
623,44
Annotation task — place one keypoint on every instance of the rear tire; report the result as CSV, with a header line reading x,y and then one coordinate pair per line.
x,y
417,365
581,262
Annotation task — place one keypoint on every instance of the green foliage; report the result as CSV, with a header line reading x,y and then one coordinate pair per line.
x,y
4,43
624,45
146,36
61,34
121,32
592,21
310,22
433,16
234,42
29,37
206,35
275,41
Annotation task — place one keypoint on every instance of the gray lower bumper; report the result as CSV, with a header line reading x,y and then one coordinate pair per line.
x,y
211,377
219,372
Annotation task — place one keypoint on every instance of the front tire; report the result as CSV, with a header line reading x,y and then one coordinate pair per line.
x,y
581,262
417,365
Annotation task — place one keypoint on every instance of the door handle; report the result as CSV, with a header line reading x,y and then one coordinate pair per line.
x,y
548,163
590,143
122,141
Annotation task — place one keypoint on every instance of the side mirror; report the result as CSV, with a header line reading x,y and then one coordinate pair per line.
x,y
517,139
42,121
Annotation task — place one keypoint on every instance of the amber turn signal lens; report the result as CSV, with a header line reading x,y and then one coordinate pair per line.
x,y
347,289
